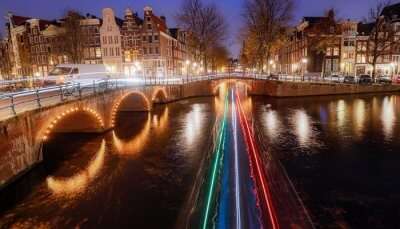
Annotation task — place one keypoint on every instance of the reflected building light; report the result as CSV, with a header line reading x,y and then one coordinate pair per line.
x,y
388,117
193,123
302,124
135,145
341,113
359,117
78,183
272,124
162,121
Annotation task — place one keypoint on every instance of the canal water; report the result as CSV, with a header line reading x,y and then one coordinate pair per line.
x,y
341,154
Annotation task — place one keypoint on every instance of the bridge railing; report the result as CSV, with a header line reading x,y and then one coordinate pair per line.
x,y
12,104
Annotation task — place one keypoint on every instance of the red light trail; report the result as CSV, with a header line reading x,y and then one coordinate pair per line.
x,y
258,169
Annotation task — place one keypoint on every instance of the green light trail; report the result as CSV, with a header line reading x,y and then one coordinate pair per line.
x,y
215,165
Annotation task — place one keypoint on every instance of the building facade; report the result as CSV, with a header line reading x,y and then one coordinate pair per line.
x,y
132,46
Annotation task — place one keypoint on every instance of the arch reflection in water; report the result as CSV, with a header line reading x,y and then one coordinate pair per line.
x,y
302,127
78,183
388,116
138,142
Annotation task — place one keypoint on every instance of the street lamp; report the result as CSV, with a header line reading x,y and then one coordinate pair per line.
x,y
304,62
187,70
393,65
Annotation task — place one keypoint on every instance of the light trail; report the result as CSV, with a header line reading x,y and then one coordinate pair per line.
x,y
236,158
215,166
258,167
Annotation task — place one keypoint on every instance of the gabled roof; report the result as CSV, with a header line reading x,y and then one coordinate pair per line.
x,y
313,20
174,32
119,21
365,28
391,10
161,23
18,20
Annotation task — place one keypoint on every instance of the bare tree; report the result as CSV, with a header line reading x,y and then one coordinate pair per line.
x,y
382,38
205,25
265,23
219,57
73,37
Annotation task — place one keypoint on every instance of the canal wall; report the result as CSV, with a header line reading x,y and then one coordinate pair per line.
x,y
22,136
296,89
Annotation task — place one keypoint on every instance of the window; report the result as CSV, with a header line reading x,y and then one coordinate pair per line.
x,y
149,26
111,51
157,50
150,39
336,51
116,40
117,51
145,50
329,51
361,58
105,52
98,52
150,50
110,40
144,38
156,37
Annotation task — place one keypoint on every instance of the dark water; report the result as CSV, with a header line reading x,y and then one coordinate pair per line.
x,y
342,154
138,178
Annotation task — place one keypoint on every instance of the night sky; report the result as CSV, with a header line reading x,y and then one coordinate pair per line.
x,y
50,9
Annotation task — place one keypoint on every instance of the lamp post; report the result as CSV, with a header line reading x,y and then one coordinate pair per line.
x,y
392,65
271,63
187,70
304,62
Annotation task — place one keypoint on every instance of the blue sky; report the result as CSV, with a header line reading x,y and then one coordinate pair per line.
x,y
49,9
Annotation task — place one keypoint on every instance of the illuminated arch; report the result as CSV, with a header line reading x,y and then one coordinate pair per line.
x,y
159,96
50,128
224,83
76,184
117,105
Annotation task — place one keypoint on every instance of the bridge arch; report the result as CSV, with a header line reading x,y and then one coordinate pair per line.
x,y
223,85
75,119
159,95
131,101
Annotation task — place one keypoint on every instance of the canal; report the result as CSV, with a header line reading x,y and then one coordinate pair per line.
x,y
341,154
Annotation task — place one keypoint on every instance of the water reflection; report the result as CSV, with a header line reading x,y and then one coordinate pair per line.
x,y
359,117
272,124
78,183
302,127
388,116
193,123
341,114
135,145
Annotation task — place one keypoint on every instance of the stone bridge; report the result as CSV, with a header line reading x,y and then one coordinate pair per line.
x,y
22,136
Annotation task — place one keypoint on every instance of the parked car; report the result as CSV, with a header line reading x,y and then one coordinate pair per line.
x,y
365,79
335,78
273,77
63,73
349,79
384,79
397,79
